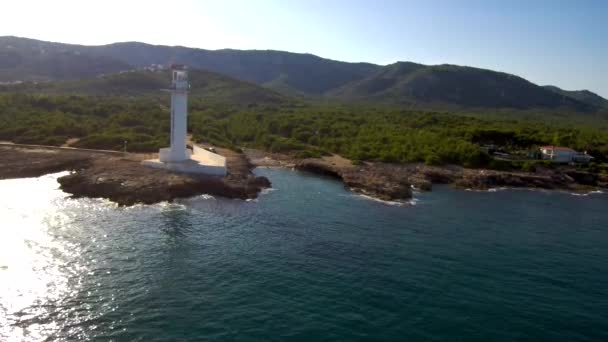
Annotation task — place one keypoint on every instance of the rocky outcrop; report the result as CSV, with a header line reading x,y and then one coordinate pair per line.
x,y
320,167
423,176
394,181
24,162
380,185
586,178
555,179
122,178
127,182
487,179
361,179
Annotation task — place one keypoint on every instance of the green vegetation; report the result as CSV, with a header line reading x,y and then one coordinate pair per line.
x,y
452,86
304,129
362,111
584,96
208,86
105,124
402,83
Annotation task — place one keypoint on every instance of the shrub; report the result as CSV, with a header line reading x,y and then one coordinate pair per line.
x,y
285,145
432,159
500,165
528,166
308,154
54,141
549,164
477,159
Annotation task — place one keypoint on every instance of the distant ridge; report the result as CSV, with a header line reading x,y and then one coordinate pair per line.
x,y
585,96
411,83
24,59
305,75
205,84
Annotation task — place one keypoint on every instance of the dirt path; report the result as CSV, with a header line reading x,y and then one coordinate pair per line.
x,y
70,142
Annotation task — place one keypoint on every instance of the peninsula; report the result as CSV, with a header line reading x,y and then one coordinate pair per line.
x,y
121,178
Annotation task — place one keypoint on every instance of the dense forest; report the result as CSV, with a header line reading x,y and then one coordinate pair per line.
x,y
374,133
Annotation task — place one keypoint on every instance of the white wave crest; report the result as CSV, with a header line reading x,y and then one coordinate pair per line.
x,y
267,191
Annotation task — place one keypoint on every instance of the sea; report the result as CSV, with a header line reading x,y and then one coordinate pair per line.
x,y
306,261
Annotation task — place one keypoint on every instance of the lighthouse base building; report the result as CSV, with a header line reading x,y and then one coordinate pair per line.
x,y
178,157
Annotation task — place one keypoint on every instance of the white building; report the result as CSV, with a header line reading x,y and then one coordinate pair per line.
x,y
560,154
179,118
177,157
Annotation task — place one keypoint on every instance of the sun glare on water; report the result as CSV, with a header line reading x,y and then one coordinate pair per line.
x,y
35,267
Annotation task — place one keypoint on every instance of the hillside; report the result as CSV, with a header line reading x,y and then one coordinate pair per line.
x,y
303,75
32,60
285,71
417,84
581,95
205,85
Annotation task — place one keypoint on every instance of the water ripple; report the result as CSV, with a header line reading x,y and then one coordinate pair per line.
x,y
307,261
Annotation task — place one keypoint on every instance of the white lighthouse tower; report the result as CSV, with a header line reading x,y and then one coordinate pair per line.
x,y
177,157
179,117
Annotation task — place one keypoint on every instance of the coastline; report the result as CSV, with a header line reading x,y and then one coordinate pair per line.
x,y
122,179
392,182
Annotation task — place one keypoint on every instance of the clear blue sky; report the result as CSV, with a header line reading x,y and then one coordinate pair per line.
x,y
560,42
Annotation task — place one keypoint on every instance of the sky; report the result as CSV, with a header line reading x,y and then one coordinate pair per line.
x,y
558,42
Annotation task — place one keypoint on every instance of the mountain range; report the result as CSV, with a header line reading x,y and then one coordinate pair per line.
x,y
142,82
279,74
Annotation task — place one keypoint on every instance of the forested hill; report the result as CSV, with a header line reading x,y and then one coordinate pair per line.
x,y
31,60
411,83
204,85
581,95
285,71
306,75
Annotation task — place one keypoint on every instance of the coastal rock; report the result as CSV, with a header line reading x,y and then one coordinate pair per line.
x,y
127,182
259,182
602,181
122,179
423,177
393,181
486,179
585,178
381,185
23,162
319,167
440,175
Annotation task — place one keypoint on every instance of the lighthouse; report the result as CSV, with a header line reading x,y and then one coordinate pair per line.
x,y
177,152
177,157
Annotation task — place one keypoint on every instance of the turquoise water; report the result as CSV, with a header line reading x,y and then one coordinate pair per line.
x,y
307,261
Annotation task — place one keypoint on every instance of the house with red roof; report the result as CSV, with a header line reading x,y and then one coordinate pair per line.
x,y
561,154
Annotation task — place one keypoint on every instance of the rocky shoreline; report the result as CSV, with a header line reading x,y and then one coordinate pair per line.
x,y
391,182
122,179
